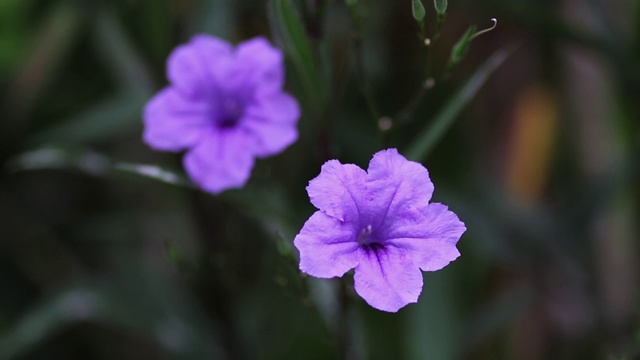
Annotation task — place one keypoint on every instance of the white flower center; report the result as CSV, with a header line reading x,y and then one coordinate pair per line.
x,y
364,235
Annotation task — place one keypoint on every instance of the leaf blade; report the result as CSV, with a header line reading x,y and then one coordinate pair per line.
x,y
286,22
432,133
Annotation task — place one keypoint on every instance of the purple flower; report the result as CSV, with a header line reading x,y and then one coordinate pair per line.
x,y
225,106
381,223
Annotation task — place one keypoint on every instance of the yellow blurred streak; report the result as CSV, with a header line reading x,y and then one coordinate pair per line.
x,y
535,123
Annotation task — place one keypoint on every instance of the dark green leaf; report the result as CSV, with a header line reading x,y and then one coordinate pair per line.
x,y
461,48
112,117
155,172
121,56
174,321
92,163
286,23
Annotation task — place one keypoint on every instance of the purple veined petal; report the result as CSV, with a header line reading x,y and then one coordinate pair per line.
x,y
257,68
395,183
221,161
339,190
327,246
430,238
173,122
386,278
196,67
272,121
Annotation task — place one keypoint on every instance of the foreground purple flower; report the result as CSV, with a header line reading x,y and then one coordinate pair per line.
x,y
225,106
381,223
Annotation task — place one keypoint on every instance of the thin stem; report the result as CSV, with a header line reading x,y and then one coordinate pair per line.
x,y
365,85
363,80
366,89
406,113
439,23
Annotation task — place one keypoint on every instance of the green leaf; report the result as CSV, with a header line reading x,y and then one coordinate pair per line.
x,y
51,44
461,48
433,324
286,23
45,320
110,118
119,54
128,304
15,33
418,10
93,164
441,6
156,173
351,3
269,206
432,133
51,157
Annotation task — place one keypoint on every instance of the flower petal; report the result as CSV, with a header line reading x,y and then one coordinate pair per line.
x,y
387,279
338,190
174,122
272,120
279,107
396,183
257,68
196,67
327,246
430,237
222,161
271,138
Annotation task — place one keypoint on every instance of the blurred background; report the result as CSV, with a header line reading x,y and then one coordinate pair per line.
x,y
533,139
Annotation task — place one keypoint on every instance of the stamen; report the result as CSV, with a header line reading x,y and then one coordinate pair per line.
x,y
364,234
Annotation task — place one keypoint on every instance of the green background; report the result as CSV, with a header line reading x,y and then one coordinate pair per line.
x,y
532,139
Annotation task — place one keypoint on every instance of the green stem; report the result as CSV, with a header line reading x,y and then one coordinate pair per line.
x,y
406,113
363,81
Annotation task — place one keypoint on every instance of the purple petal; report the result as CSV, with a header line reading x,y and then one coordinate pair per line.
x,y
327,246
257,68
271,138
338,190
387,279
430,237
272,120
279,108
395,184
222,161
173,122
194,68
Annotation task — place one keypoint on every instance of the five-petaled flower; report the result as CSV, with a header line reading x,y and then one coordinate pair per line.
x,y
225,106
381,223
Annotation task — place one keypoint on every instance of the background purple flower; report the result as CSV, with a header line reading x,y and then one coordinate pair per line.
x,y
381,223
225,106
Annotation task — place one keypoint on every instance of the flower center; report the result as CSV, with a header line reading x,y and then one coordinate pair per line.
x,y
365,235
230,113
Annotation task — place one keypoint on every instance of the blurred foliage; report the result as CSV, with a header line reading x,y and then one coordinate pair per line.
x,y
108,252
